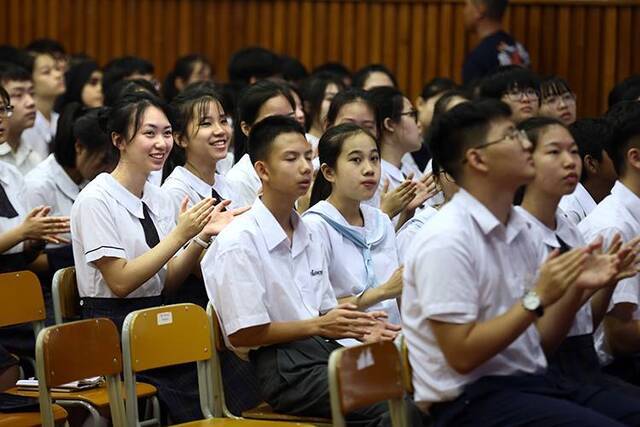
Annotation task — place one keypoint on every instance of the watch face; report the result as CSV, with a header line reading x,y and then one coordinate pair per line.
x,y
531,301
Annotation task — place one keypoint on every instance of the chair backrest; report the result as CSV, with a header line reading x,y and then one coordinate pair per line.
x,y
78,350
218,402
66,299
21,299
363,375
406,364
166,336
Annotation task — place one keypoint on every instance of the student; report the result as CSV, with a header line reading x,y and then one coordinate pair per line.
x,y
48,85
84,85
360,243
481,305
598,174
299,115
82,151
557,100
281,311
318,90
496,47
558,165
127,246
187,69
617,214
260,100
374,75
250,65
293,71
128,68
14,150
53,48
626,90
336,68
517,87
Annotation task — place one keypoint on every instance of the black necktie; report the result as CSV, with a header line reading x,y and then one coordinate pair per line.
x,y
6,208
217,196
150,232
563,245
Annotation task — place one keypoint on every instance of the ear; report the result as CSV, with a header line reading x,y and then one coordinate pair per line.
x,y
180,83
245,128
590,164
79,148
328,173
476,160
180,140
118,141
387,125
262,171
252,80
633,158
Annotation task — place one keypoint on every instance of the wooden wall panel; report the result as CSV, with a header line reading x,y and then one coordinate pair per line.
x,y
593,43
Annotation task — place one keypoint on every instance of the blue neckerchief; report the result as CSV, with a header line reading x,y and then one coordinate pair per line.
x,y
360,242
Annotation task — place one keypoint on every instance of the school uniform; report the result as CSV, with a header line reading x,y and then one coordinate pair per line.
x,y
244,181
578,204
619,212
468,267
42,133
24,158
358,258
109,221
407,233
277,280
223,166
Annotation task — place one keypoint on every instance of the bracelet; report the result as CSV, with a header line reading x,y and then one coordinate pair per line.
x,y
202,243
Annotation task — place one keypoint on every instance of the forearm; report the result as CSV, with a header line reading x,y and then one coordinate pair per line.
x,y
10,238
556,322
623,336
275,333
370,297
600,305
181,266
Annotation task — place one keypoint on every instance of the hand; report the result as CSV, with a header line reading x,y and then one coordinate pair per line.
x,y
220,218
382,331
599,269
393,286
557,273
627,255
38,226
395,201
191,221
426,188
345,321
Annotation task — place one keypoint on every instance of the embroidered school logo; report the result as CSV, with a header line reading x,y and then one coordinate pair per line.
x,y
316,272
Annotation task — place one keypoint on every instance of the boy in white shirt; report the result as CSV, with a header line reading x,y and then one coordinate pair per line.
x,y
481,306
267,278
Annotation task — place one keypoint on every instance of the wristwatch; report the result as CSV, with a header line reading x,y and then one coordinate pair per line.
x,y
198,240
531,302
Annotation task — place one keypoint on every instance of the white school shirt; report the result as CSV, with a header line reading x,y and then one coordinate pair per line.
x,y
40,136
223,166
438,199
183,183
155,178
619,212
467,267
105,222
578,204
24,159
48,184
569,233
254,275
347,274
407,233
13,183
244,182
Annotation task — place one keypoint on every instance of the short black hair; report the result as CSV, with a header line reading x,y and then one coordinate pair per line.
x,y
313,90
265,132
123,67
76,79
461,128
360,77
183,68
507,78
336,68
592,136
442,105
45,45
495,8
553,86
621,91
4,96
16,56
625,119
534,126
256,62
11,72
124,87
388,102
436,86
292,69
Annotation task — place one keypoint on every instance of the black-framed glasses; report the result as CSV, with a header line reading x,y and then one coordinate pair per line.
x,y
516,95
511,135
413,114
6,110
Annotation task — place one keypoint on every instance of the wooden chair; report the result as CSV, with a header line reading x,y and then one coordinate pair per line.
x,y
403,348
173,335
260,412
363,375
66,300
77,350
32,419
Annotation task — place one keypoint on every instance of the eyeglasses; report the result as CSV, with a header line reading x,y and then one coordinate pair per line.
x,y
412,113
511,135
566,98
6,110
516,95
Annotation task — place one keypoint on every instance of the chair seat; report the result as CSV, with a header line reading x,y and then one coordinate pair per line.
x,y
264,412
228,422
30,419
97,397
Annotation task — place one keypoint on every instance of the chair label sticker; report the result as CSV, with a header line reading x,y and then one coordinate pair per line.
x,y
365,359
165,318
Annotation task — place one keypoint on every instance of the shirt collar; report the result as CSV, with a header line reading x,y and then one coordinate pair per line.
x,y
373,227
273,233
628,199
129,200
20,156
549,236
5,173
389,169
584,199
247,166
189,179
62,180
